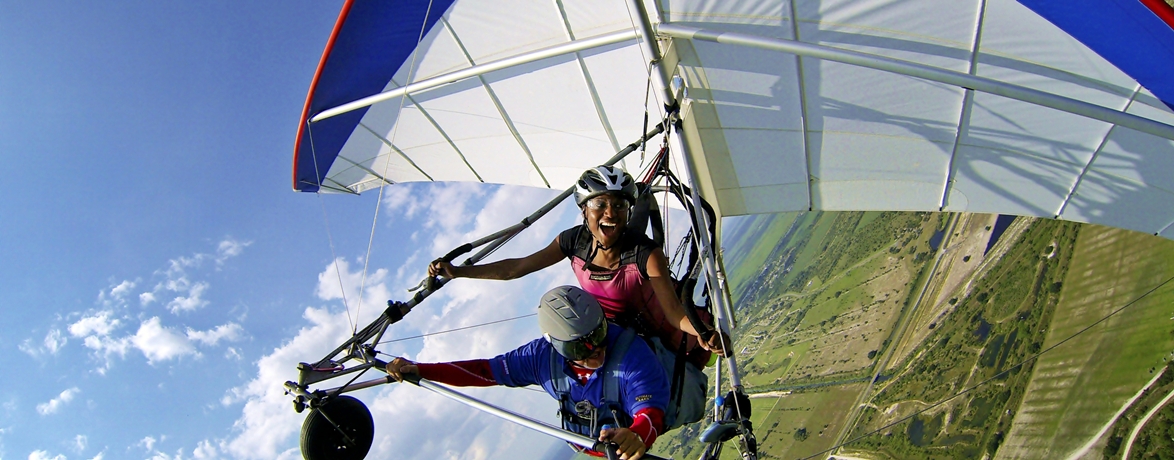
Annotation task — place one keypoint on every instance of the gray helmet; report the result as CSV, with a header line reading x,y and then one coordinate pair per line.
x,y
572,321
605,179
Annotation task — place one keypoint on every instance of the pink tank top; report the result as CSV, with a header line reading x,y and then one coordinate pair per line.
x,y
625,294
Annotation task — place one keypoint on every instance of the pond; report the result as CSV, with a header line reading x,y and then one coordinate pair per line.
x,y
982,410
921,432
983,330
991,353
936,239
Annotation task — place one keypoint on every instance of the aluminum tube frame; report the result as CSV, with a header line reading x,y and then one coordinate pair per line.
x,y
913,69
713,278
526,58
535,425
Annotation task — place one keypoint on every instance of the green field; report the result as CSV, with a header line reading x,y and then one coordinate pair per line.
x,y
819,307
746,257
1083,381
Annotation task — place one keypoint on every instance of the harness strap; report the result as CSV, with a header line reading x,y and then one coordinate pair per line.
x,y
611,403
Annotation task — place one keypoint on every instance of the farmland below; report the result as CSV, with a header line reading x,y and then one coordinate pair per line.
x,y
924,335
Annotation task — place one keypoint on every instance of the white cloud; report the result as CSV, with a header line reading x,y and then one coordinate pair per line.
x,y
159,343
229,332
97,324
176,266
44,455
229,248
452,200
116,295
94,329
52,343
106,348
177,279
267,422
177,282
374,294
205,450
192,301
55,404
122,289
100,456
402,199
147,443
79,443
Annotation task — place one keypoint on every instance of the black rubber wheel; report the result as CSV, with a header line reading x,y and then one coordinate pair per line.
x,y
322,440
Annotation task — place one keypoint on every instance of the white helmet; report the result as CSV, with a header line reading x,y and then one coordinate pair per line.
x,y
604,179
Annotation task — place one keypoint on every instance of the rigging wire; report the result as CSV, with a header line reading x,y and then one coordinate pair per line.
x,y
387,162
996,376
326,222
429,334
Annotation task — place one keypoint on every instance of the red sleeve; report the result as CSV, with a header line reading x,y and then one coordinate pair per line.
x,y
475,373
648,423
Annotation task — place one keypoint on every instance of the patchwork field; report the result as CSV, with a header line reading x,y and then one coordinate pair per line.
x,y
1085,379
904,335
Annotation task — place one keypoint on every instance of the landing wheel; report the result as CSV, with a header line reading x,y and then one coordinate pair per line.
x,y
340,430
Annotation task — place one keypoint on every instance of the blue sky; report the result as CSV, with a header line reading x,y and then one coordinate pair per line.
x,y
161,279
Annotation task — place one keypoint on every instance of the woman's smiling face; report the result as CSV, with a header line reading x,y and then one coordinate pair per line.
x,y
607,215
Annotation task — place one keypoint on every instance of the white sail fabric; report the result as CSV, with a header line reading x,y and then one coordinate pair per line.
x,y
771,131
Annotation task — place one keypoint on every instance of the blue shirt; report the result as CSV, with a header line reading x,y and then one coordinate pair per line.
x,y
643,382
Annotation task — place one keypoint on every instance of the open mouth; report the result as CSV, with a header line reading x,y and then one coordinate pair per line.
x,y
609,229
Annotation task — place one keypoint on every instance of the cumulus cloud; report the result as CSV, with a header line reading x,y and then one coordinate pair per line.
x,y
267,425
205,450
122,289
50,345
229,248
105,348
44,455
99,323
94,329
147,443
403,199
186,294
339,282
192,301
155,340
55,404
229,332
79,443
159,343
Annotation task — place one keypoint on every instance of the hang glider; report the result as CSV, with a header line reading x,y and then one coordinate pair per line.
x,y
1024,108
988,106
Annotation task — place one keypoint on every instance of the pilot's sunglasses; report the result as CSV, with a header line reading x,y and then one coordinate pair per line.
x,y
599,204
584,347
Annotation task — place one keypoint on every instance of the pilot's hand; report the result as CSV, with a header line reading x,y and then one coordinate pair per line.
x,y
628,444
719,343
398,367
442,267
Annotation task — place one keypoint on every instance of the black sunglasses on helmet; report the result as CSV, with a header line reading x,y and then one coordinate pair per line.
x,y
583,347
